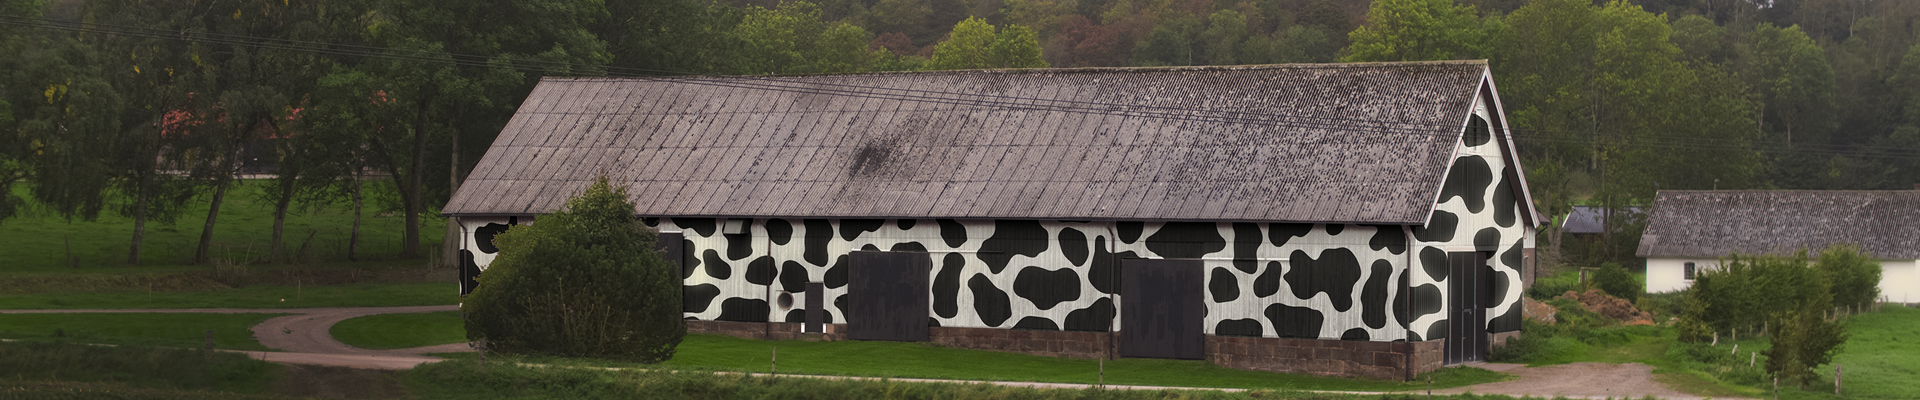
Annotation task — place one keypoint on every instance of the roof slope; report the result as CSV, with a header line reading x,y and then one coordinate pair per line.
x,y
1716,223
1324,142
1590,219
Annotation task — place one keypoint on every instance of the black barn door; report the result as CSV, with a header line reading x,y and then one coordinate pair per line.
x,y
887,295
1467,338
1161,309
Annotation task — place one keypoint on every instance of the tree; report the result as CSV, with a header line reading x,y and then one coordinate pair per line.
x,y
1417,30
1855,275
794,40
974,45
584,281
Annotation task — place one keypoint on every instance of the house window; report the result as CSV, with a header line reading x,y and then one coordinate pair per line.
x,y
1687,270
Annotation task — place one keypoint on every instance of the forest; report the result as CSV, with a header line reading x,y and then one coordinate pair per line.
x,y
137,108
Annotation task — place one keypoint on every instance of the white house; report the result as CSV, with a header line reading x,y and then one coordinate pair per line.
x,y
1690,230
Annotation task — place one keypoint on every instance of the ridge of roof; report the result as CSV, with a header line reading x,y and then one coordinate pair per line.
x,y
1056,71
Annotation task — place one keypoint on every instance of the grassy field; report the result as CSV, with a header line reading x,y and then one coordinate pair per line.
x,y
38,241
921,360
266,297
129,369
230,331
400,331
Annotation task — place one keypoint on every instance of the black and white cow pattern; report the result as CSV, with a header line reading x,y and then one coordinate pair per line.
x,y
1477,211
476,245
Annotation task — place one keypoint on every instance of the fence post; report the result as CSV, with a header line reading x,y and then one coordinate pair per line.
x,y
774,367
207,348
1836,379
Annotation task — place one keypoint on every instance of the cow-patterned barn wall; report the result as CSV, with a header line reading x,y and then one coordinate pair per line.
x,y
1478,210
1272,280
476,244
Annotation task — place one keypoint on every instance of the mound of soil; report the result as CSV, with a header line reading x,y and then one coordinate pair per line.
x,y
1612,307
1539,311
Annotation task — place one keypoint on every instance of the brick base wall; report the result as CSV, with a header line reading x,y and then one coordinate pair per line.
x,y
766,330
1498,339
1378,360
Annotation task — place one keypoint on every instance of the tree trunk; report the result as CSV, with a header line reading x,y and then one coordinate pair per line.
x,y
203,253
410,192
140,198
275,255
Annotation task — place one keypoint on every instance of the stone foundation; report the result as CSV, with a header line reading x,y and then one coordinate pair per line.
x,y
1498,339
766,330
1378,360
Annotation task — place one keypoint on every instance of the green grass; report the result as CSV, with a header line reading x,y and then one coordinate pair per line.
x,y
466,380
230,331
266,297
921,360
38,240
401,331
144,372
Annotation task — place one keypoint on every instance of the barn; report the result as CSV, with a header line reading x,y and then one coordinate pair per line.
x,y
1336,219
1691,230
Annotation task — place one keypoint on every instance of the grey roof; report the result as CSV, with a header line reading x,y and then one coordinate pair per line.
x,y
1319,142
1587,219
1716,223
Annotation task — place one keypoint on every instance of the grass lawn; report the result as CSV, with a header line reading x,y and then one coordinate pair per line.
x,y
400,331
921,360
38,240
72,371
230,331
265,296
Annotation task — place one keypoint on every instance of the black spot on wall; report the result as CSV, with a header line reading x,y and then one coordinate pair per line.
x,y
933,322
819,233
1294,322
1433,261
1508,321
1246,247
779,231
1100,273
1438,229
796,316
1036,324
1129,231
1047,288
760,271
837,274
1093,318
953,232
1335,229
740,246
1268,282
1477,132
852,228
1239,327
716,267
906,223
696,298
469,272
1506,209
946,285
1426,300
1012,237
1500,285
692,263
1281,233
1487,238
1388,237
744,310
1438,330
794,277
483,237
1335,273
1073,244
1186,240
914,247
1355,334
1468,180
1373,296
651,221
989,302
1400,300
702,227
869,247
1223,285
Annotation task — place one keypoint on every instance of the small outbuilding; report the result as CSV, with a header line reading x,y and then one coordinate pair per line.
x,y
1340,219
1691,230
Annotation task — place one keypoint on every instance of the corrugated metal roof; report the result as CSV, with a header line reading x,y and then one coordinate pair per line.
x,y
1316,142
1717,223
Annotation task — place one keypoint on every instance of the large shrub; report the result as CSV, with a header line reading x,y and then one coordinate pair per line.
x,y
1855,275
1788,297
1617,282
584,281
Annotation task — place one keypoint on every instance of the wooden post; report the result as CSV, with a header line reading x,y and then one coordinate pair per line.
x,y
1836,379
1751,356
774,367
1776,388
207,349
1736,349
1103,372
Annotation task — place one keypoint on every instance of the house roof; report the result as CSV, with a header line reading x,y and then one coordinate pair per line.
x,y
1717,223
1364,143
1588,219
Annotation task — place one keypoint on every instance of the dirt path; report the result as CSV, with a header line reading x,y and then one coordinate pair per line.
x,y
1576,380
305,337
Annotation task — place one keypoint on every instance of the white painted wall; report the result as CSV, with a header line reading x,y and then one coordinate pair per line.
x,y
1669,274
1899,279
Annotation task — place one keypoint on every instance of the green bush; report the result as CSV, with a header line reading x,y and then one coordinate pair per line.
x,y
1783,294
1557,284
584,281
1617,282
1855,275
1572,315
